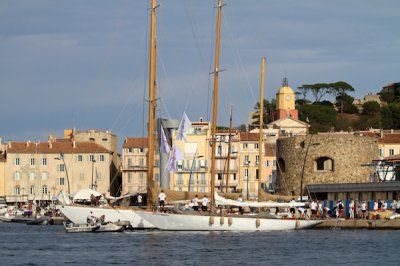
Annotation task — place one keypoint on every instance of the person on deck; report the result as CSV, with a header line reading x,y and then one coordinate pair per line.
x,y
139,200
204,204
351,209
314,207
292,205
161,198
195,201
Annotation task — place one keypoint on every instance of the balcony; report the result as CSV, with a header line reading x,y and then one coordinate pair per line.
x,y
181,169
135,168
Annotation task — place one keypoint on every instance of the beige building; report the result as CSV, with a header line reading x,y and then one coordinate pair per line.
x,y
192,173
134,165
107,140
221,161
40,170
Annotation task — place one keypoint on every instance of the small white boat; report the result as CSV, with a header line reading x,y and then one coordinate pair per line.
x,y
394,216
99,228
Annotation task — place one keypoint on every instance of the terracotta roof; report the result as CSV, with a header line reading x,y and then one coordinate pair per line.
x,y
390,138
135,143
247,136
55,147
270,149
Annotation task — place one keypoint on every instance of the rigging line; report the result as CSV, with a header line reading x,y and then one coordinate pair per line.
x,y
161,62
194,30
238,58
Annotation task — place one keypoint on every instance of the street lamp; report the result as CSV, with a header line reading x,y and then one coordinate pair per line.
x,y
66,171
93,161
191,170
247,178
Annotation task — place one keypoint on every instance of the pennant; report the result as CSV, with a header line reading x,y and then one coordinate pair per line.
x,y
164,142
184,127
175,155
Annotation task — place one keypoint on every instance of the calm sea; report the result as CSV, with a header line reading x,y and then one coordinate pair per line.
x,y
22,244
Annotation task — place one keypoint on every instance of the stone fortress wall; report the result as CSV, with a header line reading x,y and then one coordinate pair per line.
x,y
326,158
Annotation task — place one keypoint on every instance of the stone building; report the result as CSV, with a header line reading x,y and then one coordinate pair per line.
x,y
323,159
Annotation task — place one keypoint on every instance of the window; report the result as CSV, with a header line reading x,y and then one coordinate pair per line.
x,y
61,181
101,158
246,173
141,162
256,146
44,190
129,162
32,161
267,163
380,152
91,158
219,176
61,168
391,152
246,160
79,158
17,190
129,178
257,159
180,165
219,152
256,174
156,163
141,150
17,161
31,176
44,161
274,163
45,176
17,176
130,150
244,146
32,190
324,164
81,176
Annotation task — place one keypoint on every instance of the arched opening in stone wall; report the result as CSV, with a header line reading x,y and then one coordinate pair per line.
x,y
323,164
281,165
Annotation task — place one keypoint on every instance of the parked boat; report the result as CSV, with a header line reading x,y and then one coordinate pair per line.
x,y
95,228
42,220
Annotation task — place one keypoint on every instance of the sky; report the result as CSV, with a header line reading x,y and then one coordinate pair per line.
x,y
84,64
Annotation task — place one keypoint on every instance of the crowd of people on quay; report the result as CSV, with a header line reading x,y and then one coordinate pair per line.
x,y
314,209
349,210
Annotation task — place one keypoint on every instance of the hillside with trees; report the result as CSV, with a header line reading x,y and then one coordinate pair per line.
x,y
325,116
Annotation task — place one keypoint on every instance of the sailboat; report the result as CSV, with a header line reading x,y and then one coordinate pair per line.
x,y
208,221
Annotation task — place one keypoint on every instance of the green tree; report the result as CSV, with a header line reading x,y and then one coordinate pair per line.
x,y
339,90
242,128
269,107
321,118
345,103
390,115
371,108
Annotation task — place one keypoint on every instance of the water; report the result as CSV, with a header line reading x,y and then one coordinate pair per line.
x,y
21,244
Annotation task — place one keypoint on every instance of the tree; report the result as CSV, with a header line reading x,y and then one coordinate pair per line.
x,y
390,115
339,91
269,107
242,128
303,90
371,108
321,118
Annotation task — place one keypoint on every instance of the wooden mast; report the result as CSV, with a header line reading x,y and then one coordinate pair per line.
x,y
228,165
260,139
151,198
215,104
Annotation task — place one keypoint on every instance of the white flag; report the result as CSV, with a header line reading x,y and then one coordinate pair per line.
x,y
184,126
175,155
164,143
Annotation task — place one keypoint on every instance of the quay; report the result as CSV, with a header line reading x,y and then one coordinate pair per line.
x,y
360,224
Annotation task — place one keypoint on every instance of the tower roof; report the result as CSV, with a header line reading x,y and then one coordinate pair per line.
x,y
285,90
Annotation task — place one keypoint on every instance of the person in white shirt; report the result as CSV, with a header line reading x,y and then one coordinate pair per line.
x,y
195,202
139,200
204,203
364,210
161,198
351,209
292,205
313,207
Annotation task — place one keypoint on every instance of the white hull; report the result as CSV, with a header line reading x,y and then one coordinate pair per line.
x,y
78,215
184,222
